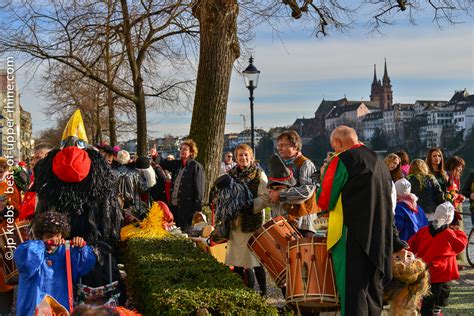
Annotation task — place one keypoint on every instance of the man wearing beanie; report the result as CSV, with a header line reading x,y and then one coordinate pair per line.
x,y
438,244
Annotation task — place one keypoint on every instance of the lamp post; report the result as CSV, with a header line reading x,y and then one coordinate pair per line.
x,y
251,74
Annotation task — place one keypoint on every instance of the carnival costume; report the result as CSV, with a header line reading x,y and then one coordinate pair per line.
x,y
356,187
77,181
44,273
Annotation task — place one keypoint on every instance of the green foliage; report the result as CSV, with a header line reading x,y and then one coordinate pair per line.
x,y
172,277
378,141
317,149
264,151
467,153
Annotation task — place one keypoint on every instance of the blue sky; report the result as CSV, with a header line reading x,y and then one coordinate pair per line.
x,y
297,71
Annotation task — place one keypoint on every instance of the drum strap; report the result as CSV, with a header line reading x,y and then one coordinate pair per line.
x,y
69,276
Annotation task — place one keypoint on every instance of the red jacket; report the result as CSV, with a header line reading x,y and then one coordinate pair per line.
x,y
439,252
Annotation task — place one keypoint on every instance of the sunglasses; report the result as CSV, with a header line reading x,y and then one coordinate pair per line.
x,y
230,156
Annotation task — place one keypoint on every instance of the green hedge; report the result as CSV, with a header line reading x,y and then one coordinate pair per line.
x,y
170,277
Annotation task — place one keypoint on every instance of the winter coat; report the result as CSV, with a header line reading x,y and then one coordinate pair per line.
x,y
190,193
428,191
438,248
407,221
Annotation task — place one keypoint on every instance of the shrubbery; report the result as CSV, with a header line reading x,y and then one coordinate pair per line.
x,y
171,276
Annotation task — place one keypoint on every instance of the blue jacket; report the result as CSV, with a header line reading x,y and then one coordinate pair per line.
x,y
407,221
38,278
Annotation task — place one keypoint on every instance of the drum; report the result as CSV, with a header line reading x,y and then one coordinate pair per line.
x,y
269,244
310,283
11,236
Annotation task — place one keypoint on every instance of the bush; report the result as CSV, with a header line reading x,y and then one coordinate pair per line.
x,y
170,277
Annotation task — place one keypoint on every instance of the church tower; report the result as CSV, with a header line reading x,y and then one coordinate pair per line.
x,y
375,88
386,93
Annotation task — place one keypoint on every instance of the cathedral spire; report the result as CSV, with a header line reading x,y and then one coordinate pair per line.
x,y
386,79
375,75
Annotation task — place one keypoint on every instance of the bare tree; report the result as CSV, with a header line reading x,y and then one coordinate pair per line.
x,y
91,36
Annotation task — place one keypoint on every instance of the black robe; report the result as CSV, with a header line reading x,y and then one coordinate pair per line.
x,y
91,204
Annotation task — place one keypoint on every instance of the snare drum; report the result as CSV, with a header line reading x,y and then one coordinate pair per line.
x,y
310,276
10,239
269,244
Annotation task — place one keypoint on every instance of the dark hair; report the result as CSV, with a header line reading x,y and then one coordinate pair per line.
x,y
293,138
142,163
441,169
404,159
51,223
455,162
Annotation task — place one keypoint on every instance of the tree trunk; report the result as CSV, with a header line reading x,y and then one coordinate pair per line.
x,y
112,121
219,48
138,90
141,119
108,71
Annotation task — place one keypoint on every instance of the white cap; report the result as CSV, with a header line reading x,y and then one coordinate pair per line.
x,y
444,214
403,186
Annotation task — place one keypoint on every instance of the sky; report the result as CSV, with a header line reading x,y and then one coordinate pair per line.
x,y
298,71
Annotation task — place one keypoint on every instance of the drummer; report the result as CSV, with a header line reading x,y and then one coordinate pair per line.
x,y
296,197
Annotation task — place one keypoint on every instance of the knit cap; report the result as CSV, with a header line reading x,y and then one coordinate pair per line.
x,y
403,186
444,215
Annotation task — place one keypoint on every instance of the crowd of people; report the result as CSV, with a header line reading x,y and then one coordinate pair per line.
x,y
378,209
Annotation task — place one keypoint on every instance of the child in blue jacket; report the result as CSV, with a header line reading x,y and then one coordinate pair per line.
x,y
42,263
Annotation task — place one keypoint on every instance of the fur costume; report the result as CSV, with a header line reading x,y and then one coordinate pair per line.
x,y
232,197
89,198
410,284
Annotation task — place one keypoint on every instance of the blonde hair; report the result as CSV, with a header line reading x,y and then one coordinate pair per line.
x,y
419,167
3,163
390,158
244,147
192,147
123,157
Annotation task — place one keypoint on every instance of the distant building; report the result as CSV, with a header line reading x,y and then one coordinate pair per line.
x,y
245,137
27,143
381,92
231,141
349,113
370,123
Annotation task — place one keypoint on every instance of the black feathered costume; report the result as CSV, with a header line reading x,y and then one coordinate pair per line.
x,y
89,200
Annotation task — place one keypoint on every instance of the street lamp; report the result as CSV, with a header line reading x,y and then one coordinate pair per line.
x,y
251,74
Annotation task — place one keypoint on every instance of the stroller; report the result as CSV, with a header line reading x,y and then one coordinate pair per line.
x,y
102,286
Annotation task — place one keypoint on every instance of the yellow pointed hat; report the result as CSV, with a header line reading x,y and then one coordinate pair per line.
x,y
75,128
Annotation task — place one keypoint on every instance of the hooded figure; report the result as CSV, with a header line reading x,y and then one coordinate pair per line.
x,y
409,216
77,181
438,244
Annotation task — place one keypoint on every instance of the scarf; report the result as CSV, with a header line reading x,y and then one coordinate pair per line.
x,y
249,176
410,200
